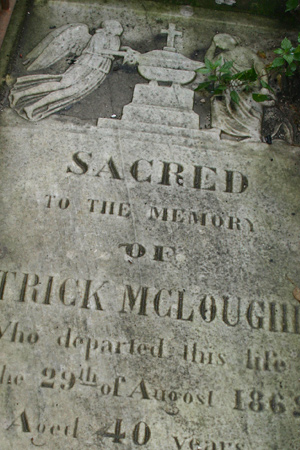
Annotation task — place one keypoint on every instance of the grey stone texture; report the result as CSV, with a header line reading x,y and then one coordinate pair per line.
x,y
145,261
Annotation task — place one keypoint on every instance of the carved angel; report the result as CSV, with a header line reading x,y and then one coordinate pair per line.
x,y
35,97
243,121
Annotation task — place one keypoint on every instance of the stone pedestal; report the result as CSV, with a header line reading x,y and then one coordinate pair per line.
x,y
162,105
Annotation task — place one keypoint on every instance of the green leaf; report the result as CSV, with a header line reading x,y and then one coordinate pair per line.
x,y
226,77
293,67
217,63
291,4
278,62
279,51
204,70
203,86
289,58
213,78
297,49
226,67
219,90
235,97
286,44
266,85
296,56
209,64
299,38
260,97
246,75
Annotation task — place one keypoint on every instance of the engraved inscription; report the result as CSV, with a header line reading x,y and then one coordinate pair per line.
x,y
144,288
164,303
162,173
200,218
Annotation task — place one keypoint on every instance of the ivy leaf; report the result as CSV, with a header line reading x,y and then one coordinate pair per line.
x,y
278,62
289,58
209,64
235,97
203,70
260,97
286,44
203,86
291,4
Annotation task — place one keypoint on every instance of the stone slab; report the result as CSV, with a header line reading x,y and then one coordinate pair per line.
x,y
144,270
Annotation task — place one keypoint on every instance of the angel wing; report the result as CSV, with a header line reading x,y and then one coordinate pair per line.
x,y
59,43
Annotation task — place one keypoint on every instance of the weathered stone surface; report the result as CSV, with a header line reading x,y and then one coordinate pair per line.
x,y
144,261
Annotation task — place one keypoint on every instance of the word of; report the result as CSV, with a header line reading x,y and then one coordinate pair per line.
x,y
162,173
160,253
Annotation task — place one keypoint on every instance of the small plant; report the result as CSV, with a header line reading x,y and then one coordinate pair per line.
x,y
289,57
223,76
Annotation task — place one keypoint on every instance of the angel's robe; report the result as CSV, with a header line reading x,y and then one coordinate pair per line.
x,y
244,120
35,97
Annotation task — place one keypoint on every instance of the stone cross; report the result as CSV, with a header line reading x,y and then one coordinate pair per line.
x,y
172,33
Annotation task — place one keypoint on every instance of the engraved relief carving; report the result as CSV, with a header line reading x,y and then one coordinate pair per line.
x,y
160,105
245,120
35,97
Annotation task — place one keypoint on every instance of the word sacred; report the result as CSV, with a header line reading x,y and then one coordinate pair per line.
x,y
163,173
163,304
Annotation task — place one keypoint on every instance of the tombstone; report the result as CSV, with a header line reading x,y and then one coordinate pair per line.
x,y
149,237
